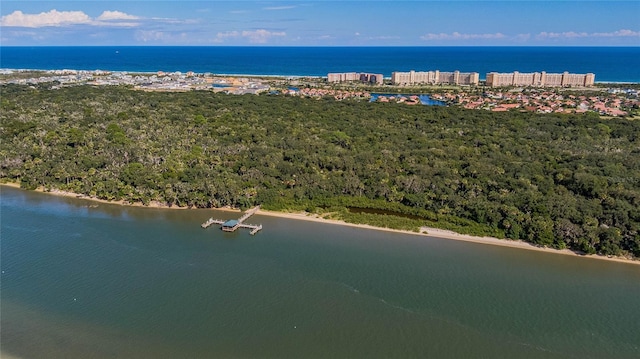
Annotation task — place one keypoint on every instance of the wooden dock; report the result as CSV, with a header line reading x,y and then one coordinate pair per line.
x,y
232,224
254,229
248,214
211,221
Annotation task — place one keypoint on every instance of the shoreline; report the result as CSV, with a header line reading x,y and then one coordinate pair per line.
x,y
152,204
268,76
6,71
446,234
304,216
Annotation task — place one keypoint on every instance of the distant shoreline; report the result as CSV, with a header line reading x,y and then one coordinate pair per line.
x,y
3,69
425,231
272,76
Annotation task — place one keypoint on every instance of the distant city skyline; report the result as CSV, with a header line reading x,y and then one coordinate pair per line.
x,y
320,23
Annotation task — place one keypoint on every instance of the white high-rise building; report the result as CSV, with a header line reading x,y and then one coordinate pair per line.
x,y
541,79
434,77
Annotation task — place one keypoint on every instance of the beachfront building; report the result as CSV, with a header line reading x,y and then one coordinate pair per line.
x,y
434,77
355,76
539,79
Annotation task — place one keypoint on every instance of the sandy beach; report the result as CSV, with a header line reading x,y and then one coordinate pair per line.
x,y
445,234
152,204
424,231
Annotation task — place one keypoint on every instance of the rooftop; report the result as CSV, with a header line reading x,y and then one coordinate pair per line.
x,y
230,223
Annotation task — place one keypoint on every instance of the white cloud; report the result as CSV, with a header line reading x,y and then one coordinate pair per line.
x,y
66,18
459,36
256,37
221,36
619,33
561,35
574,35
50,18
12,35
272,8
151,35
228,34
383,37
161,36
567,35
261,36
168,20
115,15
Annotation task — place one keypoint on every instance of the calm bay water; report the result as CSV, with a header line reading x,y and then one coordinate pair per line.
x,y
610,64
81,279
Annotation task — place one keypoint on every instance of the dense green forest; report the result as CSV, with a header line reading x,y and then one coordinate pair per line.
x,y
553,180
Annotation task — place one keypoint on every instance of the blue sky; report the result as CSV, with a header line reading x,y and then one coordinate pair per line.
x,y
321,23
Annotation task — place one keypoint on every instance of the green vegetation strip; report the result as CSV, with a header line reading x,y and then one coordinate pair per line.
x,y
553,180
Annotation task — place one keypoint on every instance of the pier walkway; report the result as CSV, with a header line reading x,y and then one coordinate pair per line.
x,y
232,224
211,221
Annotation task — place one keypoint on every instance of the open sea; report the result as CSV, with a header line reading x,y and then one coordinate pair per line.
x,y
610,64
82,279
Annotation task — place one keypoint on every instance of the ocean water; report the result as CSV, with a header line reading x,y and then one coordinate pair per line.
x,y
610,64
87,280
